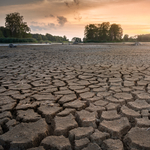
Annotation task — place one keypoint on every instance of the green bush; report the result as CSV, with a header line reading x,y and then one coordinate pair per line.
x,y
41,41
16,40
47,41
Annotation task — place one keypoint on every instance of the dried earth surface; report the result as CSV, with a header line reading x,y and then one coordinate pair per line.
x,y
75,97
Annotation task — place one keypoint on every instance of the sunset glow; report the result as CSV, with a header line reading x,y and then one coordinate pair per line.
x,y
69,17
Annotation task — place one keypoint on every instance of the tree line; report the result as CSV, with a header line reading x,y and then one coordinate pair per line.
x,y
16,30
104,32
143,38
49,38
107,32
137,38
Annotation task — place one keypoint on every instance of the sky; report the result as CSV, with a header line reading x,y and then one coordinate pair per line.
x,y
69,17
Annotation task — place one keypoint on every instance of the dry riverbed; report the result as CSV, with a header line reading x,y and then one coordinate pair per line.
x,y
75,97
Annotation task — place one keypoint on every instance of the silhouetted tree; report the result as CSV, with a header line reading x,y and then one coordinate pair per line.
x,y
38,37
115,32
143,38
48,38
91,32
6,32
126,38
64,38
44,38
103,31
1,34
14,22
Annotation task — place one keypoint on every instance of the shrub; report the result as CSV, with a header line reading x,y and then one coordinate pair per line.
x,y
16,40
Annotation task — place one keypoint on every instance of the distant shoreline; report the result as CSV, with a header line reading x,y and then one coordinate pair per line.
x,y
44,44
21,44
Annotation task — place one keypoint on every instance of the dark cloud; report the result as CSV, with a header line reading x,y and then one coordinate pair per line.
x,y
51,25
61,20
67,4
17,2
82,4
42,26
101,3
51,16
74,6
33,22
76,2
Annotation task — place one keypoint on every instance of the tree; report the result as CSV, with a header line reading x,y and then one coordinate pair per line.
x,y
64,38
143,38
1,34
50,37
44,38
126,38
6,32
14,22
91,32
38,37
115,32
103,31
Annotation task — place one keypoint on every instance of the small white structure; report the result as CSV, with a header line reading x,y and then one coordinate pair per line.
x,y
76,40
137,43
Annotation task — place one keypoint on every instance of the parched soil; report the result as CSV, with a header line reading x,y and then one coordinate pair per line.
x,y
75,97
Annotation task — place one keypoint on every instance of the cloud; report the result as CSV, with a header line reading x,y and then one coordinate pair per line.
x,y
72,4
67,4
51,25
37,28
76,2
37,23
82,4
34,22
74,7
77,16
41,26
51,16
61,20
17,2
136,26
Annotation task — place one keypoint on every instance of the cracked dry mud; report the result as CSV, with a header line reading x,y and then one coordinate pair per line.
x,y
75,97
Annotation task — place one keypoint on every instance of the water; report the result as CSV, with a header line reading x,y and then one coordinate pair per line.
x,y
121,43
22,44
